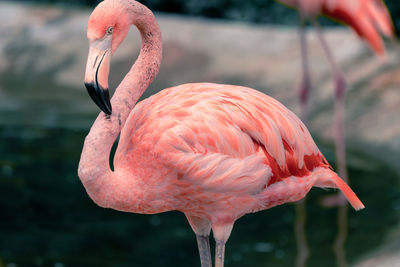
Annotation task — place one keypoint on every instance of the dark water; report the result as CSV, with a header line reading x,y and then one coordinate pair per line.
x,y
46,218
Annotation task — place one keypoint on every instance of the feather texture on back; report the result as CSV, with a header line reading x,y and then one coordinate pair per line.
x,y
218,138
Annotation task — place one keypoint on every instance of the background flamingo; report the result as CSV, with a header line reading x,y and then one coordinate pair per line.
x,y
367,18
214,152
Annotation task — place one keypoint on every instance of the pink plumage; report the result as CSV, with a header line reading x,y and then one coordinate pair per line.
x,y
366,17
212,151
211,146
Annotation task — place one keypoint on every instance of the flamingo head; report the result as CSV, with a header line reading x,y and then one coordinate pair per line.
x,y
107,28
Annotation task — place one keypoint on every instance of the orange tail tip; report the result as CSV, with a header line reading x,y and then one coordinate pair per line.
x,y
348,193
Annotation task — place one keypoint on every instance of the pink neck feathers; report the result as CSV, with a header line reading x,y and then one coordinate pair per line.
x,y
94,168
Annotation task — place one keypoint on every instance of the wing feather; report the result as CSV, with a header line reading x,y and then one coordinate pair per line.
x,y
222,137
221,173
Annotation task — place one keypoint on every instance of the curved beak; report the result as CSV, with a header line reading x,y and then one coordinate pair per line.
x,y
96,75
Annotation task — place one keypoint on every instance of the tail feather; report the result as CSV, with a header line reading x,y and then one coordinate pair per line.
x,y
331,179
381,17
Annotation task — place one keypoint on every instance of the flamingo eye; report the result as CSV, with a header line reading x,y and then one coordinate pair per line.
x,y
110,30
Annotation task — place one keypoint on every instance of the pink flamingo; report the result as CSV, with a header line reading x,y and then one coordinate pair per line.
x,y
366,17
214,152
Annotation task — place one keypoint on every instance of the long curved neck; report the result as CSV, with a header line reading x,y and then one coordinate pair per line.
x,y
94,168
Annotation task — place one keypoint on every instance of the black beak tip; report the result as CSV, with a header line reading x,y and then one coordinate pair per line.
x,y
108,110
100,96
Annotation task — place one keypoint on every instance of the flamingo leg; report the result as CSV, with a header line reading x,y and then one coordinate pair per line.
x,y
221,232
202,228
300,233
340,94
340,152
304,95
305,86
203,243
219,253
341,236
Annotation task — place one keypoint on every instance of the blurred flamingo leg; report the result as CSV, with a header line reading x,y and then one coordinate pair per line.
x,y
340,150
304,95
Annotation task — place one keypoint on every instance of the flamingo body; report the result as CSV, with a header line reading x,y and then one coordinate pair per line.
x,y
214,151
366,17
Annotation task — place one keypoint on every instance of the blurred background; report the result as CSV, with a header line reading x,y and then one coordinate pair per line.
x,y
46,217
